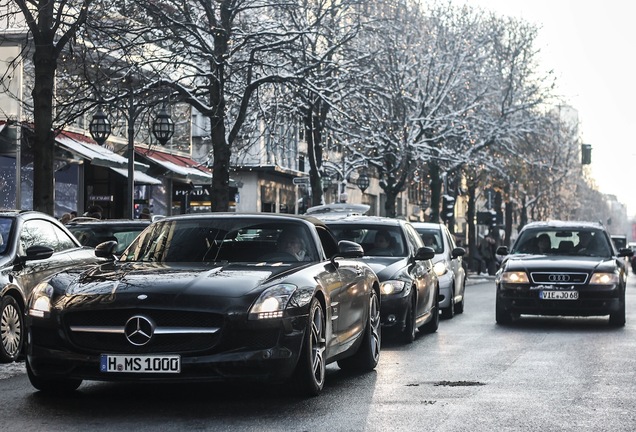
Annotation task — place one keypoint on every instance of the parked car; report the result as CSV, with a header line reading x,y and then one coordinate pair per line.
x,y
33,246
96,231
209,297
562,268
620,242
409,285
632,259
447,264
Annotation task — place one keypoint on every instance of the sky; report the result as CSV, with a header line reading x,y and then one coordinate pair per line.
x,y
590,46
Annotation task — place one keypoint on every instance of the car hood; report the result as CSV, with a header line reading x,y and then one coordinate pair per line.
x,y
557,263
386,267
134,279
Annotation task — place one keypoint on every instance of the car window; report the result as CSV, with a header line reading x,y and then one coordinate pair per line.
x,y
43,233
369,237
560,241
221,240
5,230
414,239
432,237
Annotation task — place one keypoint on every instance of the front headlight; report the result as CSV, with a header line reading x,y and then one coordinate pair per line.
x,y
604,279
40,304
514,277
440,268
392,287
272,302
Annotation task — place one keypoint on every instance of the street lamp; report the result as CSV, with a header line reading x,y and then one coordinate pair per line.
x,y
162,129
100,127
163,126
363,182
347,171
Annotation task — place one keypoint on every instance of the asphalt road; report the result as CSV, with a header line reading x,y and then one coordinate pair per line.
x,y
541,374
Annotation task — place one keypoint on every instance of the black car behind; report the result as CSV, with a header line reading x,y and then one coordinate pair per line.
x,y
409,284
33,246
562,268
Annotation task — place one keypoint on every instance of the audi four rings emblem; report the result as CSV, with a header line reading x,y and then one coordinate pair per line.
x,y
139,330
559,278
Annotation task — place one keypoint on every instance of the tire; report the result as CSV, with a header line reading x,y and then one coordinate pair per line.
x,y
368,354
310,371
502,316
11,330
408,333
459,307
449,311
52,385
433,324
617,319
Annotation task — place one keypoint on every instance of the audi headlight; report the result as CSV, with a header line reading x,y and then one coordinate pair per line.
x,y
392,287
40,304
514,277
272,302
604,279
440,268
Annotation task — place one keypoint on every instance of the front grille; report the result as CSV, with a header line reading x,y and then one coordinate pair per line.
x,y
559,278
116,342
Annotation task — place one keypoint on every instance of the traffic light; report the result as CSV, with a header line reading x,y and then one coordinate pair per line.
x,y
493,218
586,154
448,207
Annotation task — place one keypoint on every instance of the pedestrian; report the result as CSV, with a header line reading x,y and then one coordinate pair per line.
x,y
487,255
66,218
94,211
73,214
145,213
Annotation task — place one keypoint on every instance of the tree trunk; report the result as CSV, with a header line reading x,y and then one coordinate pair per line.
x,y
220,193
472,231
391,198
436,191
44,138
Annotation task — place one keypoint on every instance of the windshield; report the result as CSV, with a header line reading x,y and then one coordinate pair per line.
x,y
5,229
432,238
559,241
376,240
224,240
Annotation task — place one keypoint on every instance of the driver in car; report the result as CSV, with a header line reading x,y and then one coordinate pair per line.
x,y
290,241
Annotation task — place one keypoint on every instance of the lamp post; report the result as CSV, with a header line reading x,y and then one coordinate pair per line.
x,y
345,172
162,129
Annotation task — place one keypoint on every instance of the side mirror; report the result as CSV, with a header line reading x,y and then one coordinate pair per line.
x,y
625,252
424,253
349,249
502,250
106,249
458,251
38,253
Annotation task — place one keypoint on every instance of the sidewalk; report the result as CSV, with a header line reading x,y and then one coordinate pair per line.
x,y
473,278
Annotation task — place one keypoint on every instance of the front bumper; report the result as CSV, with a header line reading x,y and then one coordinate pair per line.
x,y
594,300
270,354
393,310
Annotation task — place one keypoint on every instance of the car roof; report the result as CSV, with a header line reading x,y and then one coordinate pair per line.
x,y
563,224
99,222
427,225
361,220
339,209
264,216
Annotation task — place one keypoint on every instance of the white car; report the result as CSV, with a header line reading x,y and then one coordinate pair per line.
x,y
447,264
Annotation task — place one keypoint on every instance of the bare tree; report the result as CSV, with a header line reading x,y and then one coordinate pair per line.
x,y
52,28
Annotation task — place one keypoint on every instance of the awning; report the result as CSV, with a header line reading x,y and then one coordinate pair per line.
x,y
140,177
179,168
80,146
